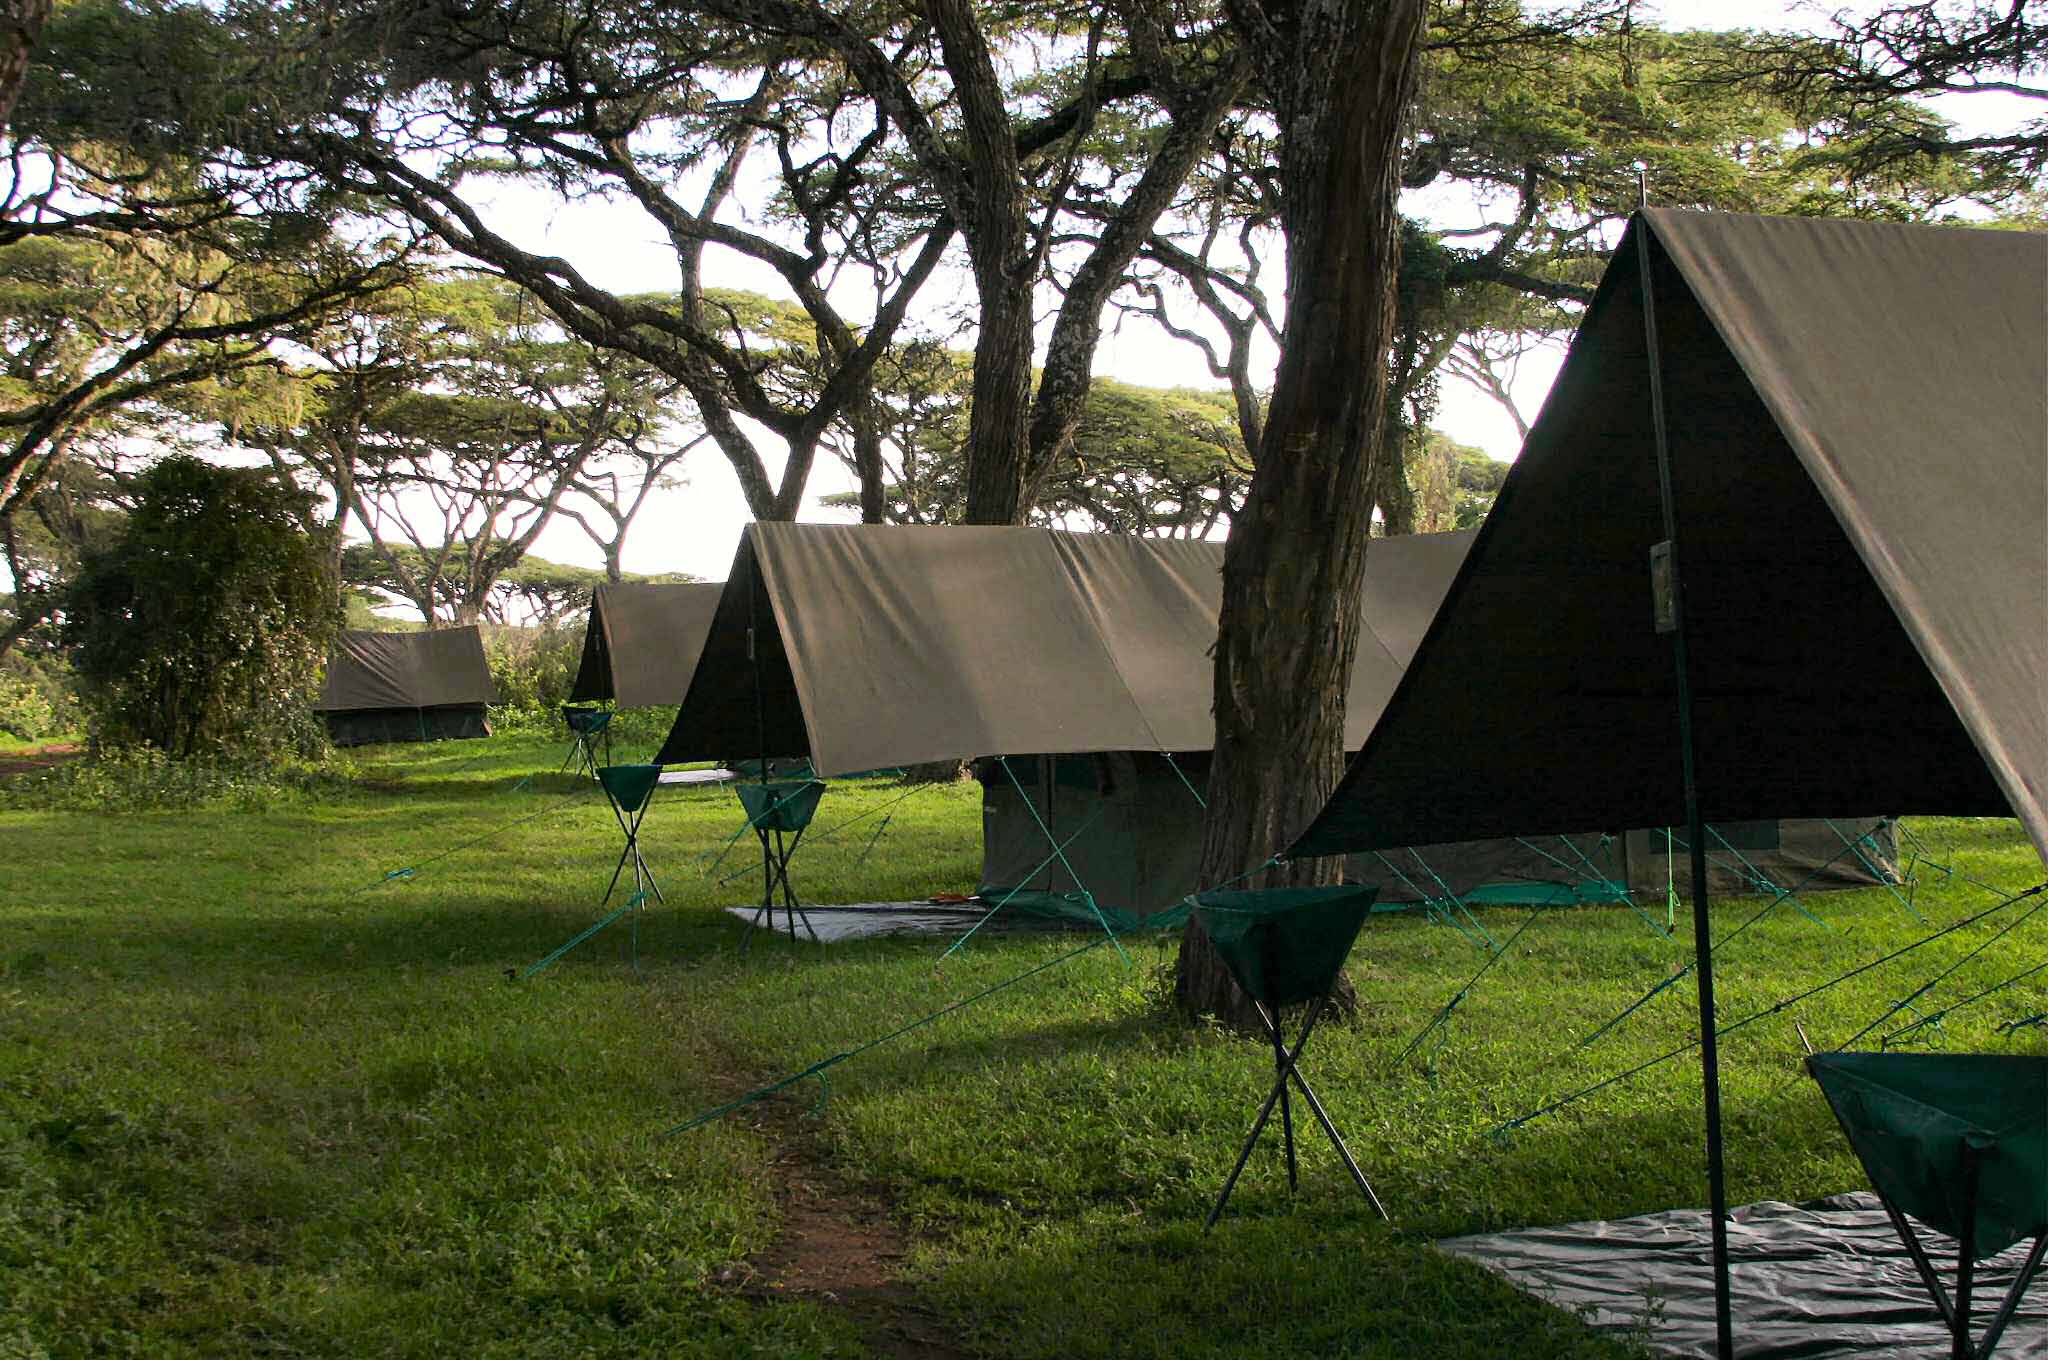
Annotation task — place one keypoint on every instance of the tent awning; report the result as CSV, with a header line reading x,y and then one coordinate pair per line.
x,y
891,645
1858,423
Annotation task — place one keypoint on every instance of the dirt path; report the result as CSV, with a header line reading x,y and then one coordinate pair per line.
x,y
38,758
840,1247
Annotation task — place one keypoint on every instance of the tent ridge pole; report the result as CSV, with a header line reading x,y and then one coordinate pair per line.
x,y
1703,955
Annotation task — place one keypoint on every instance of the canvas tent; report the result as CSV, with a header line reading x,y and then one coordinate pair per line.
x,y
1080,659
427,686
1841,430
1859,453
640,646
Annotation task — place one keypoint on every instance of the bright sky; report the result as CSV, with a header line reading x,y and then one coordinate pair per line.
x,y
696,528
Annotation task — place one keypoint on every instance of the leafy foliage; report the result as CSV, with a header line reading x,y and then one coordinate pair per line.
x,y
203,626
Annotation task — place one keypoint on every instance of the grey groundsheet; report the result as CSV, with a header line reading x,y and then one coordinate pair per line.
x,y
864,920
1827,1278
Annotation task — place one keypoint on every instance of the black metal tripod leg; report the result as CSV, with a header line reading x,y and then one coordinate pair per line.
x,y
1966,1255
616,871
1280,1070
1921,1263
2028,1269
1315,1106
1245,1153
792,906
1337,1140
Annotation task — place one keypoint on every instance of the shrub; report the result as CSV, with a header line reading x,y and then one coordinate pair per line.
x,y
144,779
202,627
534,668
36,702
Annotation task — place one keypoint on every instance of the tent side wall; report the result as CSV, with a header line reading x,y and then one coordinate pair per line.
x,y
1802,856
368,726
1132,830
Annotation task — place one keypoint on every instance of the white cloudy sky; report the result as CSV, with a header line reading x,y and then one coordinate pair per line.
x,y
696,528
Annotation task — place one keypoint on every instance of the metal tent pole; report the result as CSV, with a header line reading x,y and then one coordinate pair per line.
x,y
1671,620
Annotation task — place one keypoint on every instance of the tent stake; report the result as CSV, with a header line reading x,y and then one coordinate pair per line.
x,y
1672,620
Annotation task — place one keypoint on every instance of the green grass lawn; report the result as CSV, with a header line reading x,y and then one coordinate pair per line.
x,y
258,1098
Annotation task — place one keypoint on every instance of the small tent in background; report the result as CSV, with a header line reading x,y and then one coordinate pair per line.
x,y
426,686
641,644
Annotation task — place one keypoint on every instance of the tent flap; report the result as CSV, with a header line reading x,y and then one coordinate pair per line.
x,y
876,646
641,644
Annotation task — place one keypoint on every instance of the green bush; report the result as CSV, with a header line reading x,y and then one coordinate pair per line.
x,y
533,669
36,700
201,629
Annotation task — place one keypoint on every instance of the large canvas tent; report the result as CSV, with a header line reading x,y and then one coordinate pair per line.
x,y
428,686
1859,464
1835,434
641,644
1080,660
865,646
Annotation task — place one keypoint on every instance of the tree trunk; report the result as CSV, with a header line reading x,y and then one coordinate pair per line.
x,y
21,27
998,444
1340,74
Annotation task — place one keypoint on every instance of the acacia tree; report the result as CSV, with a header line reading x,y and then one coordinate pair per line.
x,y
448,424
1145,460
418,107
1339,76
177,272
1862,85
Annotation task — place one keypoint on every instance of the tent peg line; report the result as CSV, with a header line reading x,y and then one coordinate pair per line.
x,y
1441,1021
1924,988
1872,868
1934,1018
412,870
632,904
1036,870
1685,969
1431,905
1500,1131
1059,848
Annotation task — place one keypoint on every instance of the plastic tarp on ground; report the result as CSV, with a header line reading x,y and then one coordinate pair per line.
x,y
641,644
1826,1279
421,686
884,645
1858,424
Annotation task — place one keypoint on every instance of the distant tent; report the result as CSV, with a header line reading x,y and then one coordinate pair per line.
x,y
641,644
1859,448
427,686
